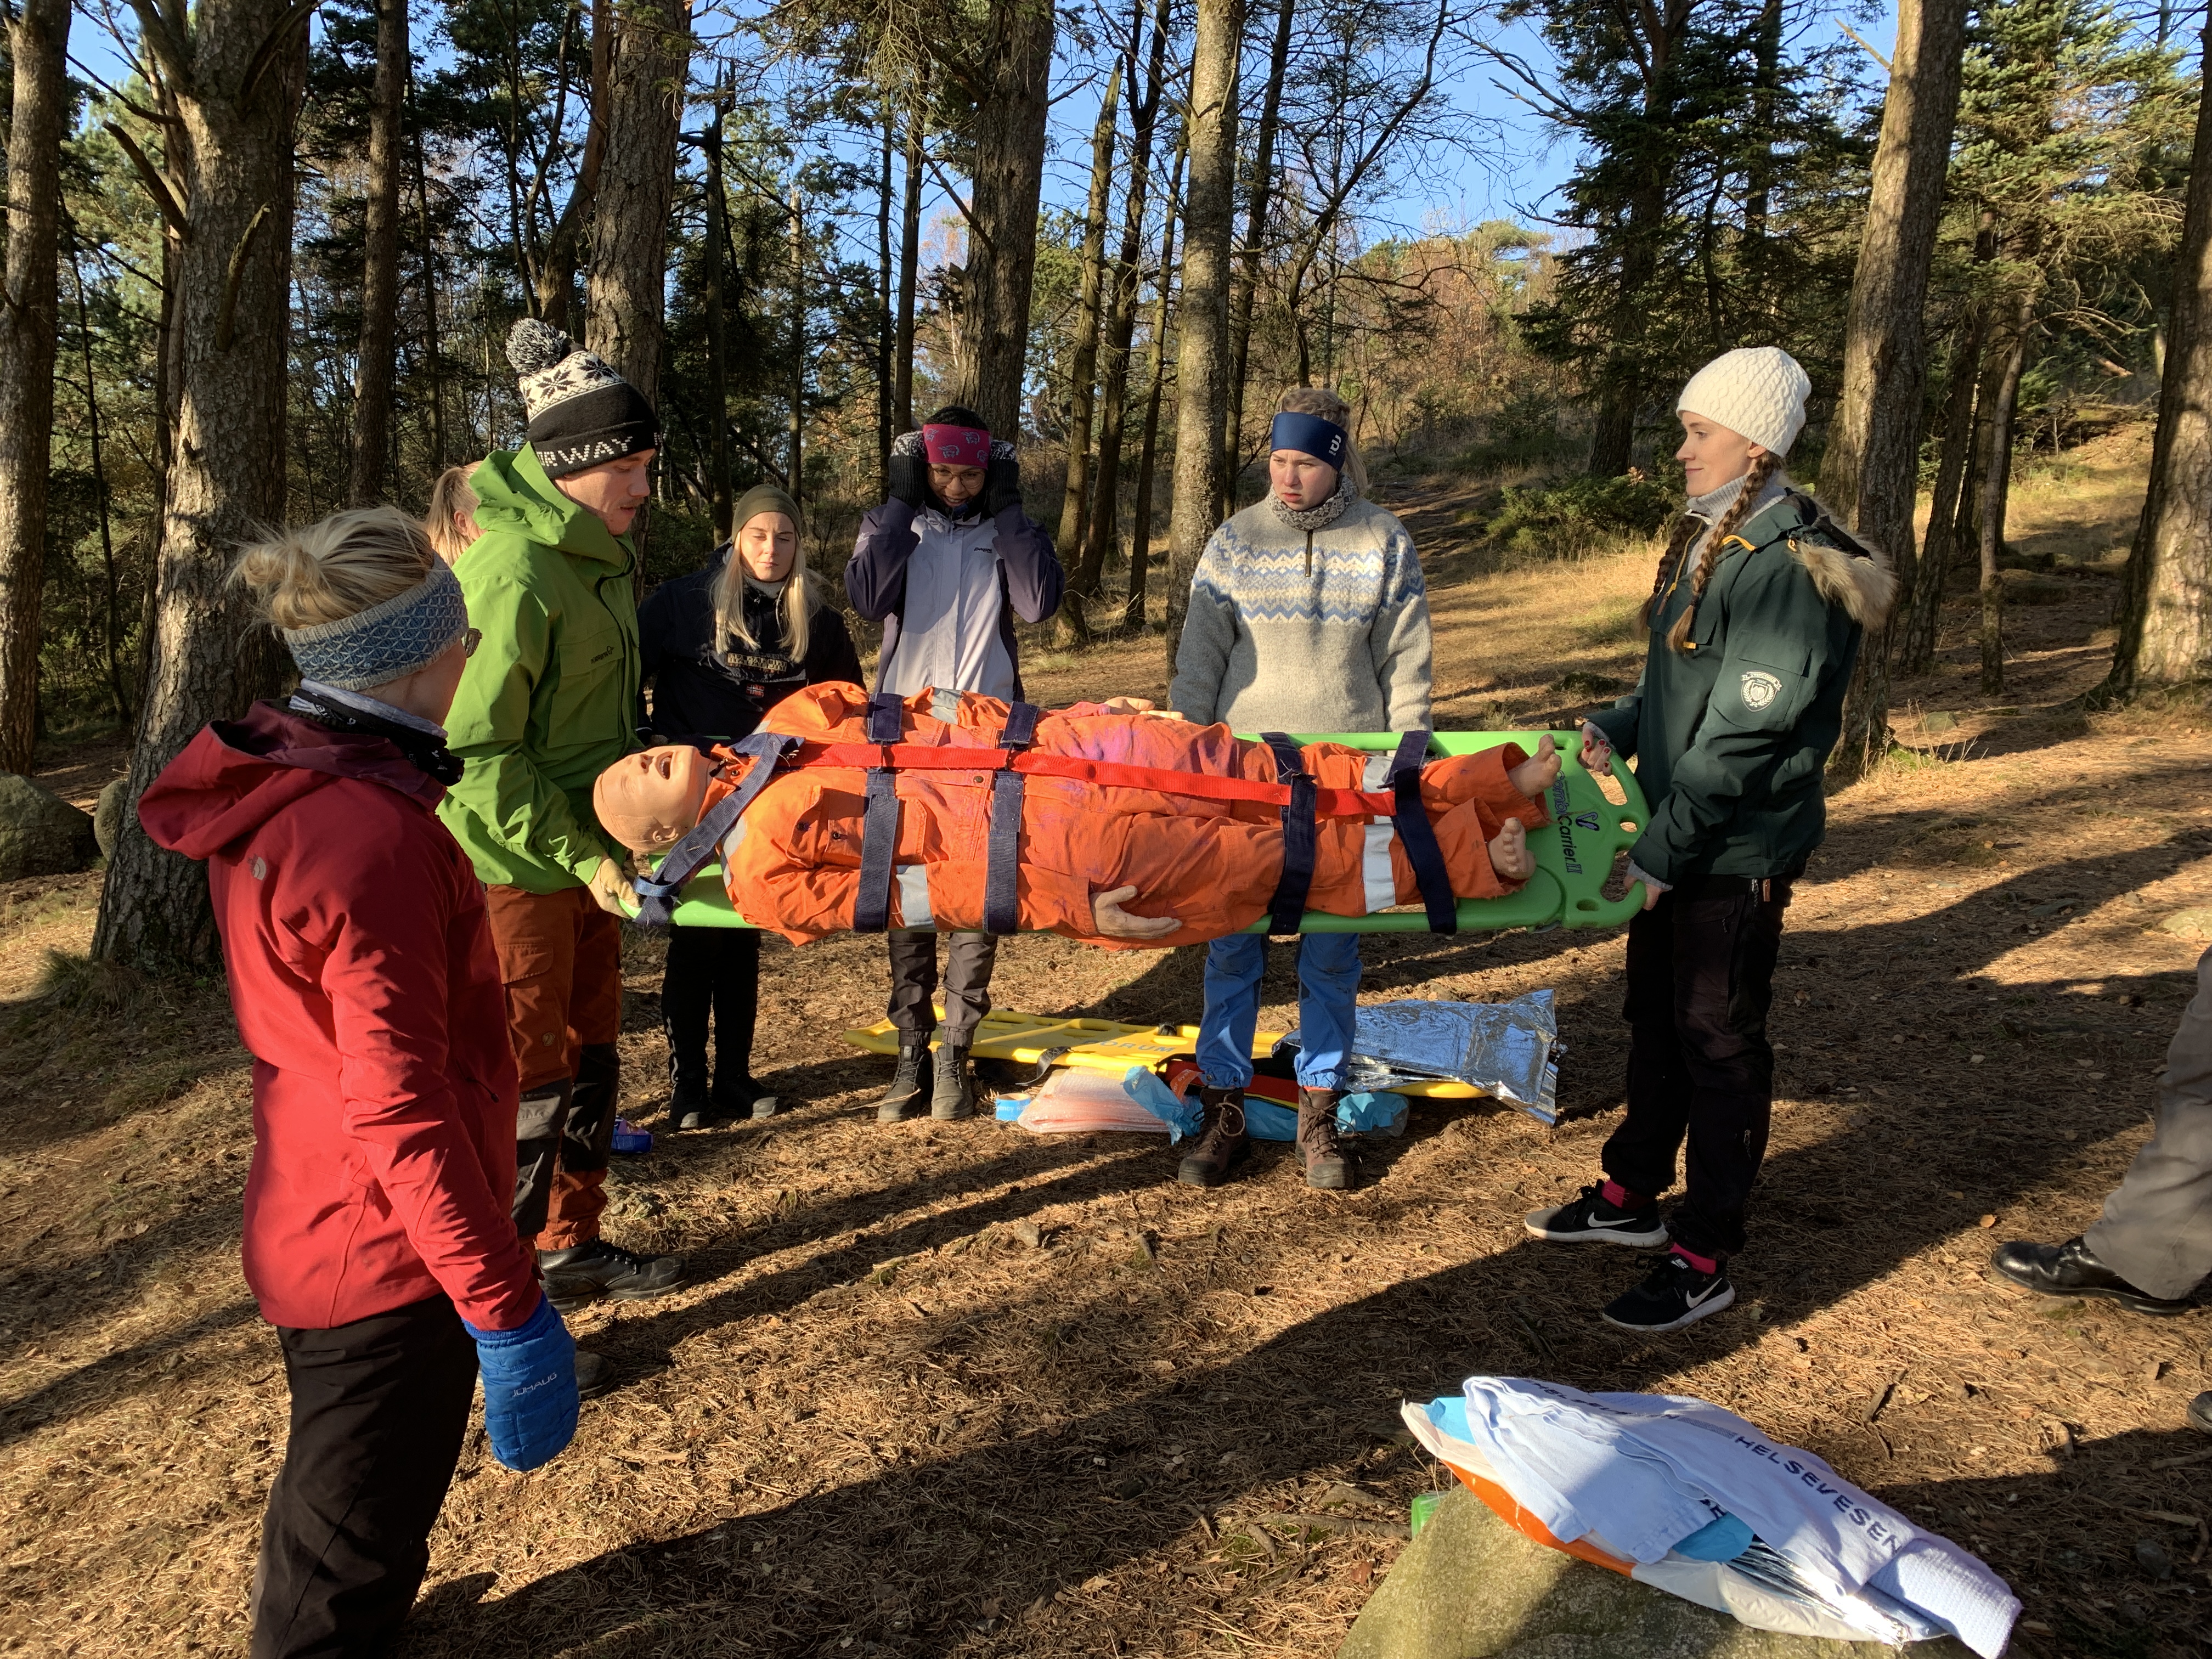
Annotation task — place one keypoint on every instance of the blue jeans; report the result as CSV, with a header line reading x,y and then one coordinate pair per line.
x,y
1328,1001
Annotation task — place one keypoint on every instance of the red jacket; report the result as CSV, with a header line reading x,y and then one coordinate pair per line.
x,y
362,977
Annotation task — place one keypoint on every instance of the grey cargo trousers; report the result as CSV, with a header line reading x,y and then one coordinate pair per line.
x,y
2156,1232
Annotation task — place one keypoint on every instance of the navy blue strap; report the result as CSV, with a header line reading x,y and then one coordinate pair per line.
x,y
1418,836
872,905
1001,895
1301,837
660,893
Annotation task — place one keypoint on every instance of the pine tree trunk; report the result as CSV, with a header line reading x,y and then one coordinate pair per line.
x,y
433,352
1261,197
375,365
1202,332
231,151
1009,178
30,330
1996,488
910,262
1870,471
795,467
718,348
556,273
1917,646
650,57
2166,602
1082,371
1141,526
885,324
1102,526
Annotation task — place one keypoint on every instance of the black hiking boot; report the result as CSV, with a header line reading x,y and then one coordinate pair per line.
x,y
1590,1220
744,1098
903,1099
595,1376
1222,1141
586,1273
952,1094
2072,1269
1329,1168
1674,1294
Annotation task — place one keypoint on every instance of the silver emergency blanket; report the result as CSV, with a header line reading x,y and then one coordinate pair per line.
x,y
1508,1050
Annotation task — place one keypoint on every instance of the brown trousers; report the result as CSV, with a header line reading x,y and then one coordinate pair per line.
x,y
560,958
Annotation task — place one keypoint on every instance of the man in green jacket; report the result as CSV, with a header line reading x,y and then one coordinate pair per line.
x,y
548,701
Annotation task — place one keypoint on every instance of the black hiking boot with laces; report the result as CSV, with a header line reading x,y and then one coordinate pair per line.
x,y
586,1273
903,1099
1222,1140
952,1093
1329,1168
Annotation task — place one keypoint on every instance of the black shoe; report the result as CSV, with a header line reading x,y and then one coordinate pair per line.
x,y
903,1099
1590,1220
595,1376
744,1099
1222,1140
1672,1295
587,1272
691,1107
952,1097
2200,1412
2072,1269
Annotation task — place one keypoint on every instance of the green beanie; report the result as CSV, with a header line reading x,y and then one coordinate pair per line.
x,y
765,498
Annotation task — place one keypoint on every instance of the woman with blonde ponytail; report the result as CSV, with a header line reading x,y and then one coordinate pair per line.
x,y
1755,616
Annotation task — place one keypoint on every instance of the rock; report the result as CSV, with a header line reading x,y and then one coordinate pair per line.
x,y
2151,1556
107,815
1939,721
41,834
2195,923
1029,1232
1471,1587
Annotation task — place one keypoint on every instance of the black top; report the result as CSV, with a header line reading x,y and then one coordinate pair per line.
x,y
697,696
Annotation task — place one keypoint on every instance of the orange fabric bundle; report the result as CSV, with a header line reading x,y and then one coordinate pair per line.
x,y
1212,864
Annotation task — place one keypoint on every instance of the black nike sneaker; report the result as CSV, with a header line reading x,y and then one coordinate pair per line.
x,y
1672,1295
1590,1220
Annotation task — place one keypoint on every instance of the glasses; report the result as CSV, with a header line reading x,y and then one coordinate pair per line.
x,y
471,641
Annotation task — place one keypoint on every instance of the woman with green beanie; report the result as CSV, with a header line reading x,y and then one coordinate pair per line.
x,y
722,646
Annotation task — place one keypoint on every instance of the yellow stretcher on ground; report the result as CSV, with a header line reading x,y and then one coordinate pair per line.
x,y
1575,853
1104,1045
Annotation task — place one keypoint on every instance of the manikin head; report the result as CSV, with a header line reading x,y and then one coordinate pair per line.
x,y
650,800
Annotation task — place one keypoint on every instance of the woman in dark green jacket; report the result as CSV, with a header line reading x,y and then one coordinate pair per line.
x,y
1755,617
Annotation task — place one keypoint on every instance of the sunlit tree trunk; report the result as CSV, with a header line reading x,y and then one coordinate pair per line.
x,y
556,271
1009,132
1916,644
1202,331
30,327
1997,486
375,364
718,351
909,260
1258,202
2166,604
433,351
1141,524
650,57
1870,472
1082,370
234,83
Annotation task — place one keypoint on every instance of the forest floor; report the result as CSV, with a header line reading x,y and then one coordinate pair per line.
x,y
957,1390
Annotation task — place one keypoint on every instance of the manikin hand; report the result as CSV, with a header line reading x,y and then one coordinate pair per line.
x,y
611,891
1112,921
1509,848
1597,750
1533,776
1139,706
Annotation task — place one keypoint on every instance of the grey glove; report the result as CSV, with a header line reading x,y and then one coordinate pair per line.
x,y
907,479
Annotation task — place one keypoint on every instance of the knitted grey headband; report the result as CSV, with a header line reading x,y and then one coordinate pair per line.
x,y
403,636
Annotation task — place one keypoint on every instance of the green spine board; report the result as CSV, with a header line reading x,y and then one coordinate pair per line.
x,y
1574,855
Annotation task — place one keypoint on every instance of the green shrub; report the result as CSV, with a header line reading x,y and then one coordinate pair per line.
x,y
1572,517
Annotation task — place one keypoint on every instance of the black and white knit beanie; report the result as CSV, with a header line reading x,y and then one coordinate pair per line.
x,y
581,413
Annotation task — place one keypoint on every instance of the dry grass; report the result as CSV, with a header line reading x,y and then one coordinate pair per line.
x,y
877,1423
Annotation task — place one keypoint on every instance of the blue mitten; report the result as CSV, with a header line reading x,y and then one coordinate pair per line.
x,y
529,1387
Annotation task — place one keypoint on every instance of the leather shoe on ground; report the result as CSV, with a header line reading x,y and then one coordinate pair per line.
x,y
581,1275
907,1097
595,1375
2200,1412
1222,1140
2072,1269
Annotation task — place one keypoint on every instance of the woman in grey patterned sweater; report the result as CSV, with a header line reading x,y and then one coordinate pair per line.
x,y
1308,615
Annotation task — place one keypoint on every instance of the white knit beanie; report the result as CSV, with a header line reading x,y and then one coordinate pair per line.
x,y
1757,391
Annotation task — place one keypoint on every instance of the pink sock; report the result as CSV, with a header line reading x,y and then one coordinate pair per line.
x,y
1704,1264
1619,1197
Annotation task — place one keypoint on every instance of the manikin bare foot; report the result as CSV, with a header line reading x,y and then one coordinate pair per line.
x,y
1533,776
1509,848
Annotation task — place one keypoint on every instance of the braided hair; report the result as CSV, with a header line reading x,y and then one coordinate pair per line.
x,y
1754,481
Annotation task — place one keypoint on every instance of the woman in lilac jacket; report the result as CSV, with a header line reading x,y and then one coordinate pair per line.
x,y
945,564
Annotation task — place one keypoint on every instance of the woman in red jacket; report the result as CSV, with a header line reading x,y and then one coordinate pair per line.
x,y
377,1235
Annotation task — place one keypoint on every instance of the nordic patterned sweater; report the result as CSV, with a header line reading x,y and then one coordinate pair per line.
x,y
1292,632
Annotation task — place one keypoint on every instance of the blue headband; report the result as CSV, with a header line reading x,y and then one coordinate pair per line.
x,y
407,633
1310,434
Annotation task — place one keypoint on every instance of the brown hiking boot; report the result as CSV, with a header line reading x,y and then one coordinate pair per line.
x,y
1328,1166
1221,1139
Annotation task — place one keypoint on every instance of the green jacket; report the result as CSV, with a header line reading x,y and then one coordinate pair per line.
x,y
550,700
1730,736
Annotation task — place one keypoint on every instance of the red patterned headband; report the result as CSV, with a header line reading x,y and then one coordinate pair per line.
x,y
957,446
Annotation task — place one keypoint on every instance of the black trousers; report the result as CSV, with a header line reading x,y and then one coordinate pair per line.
x,y
968,961
710,970
1700,981
378,1408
